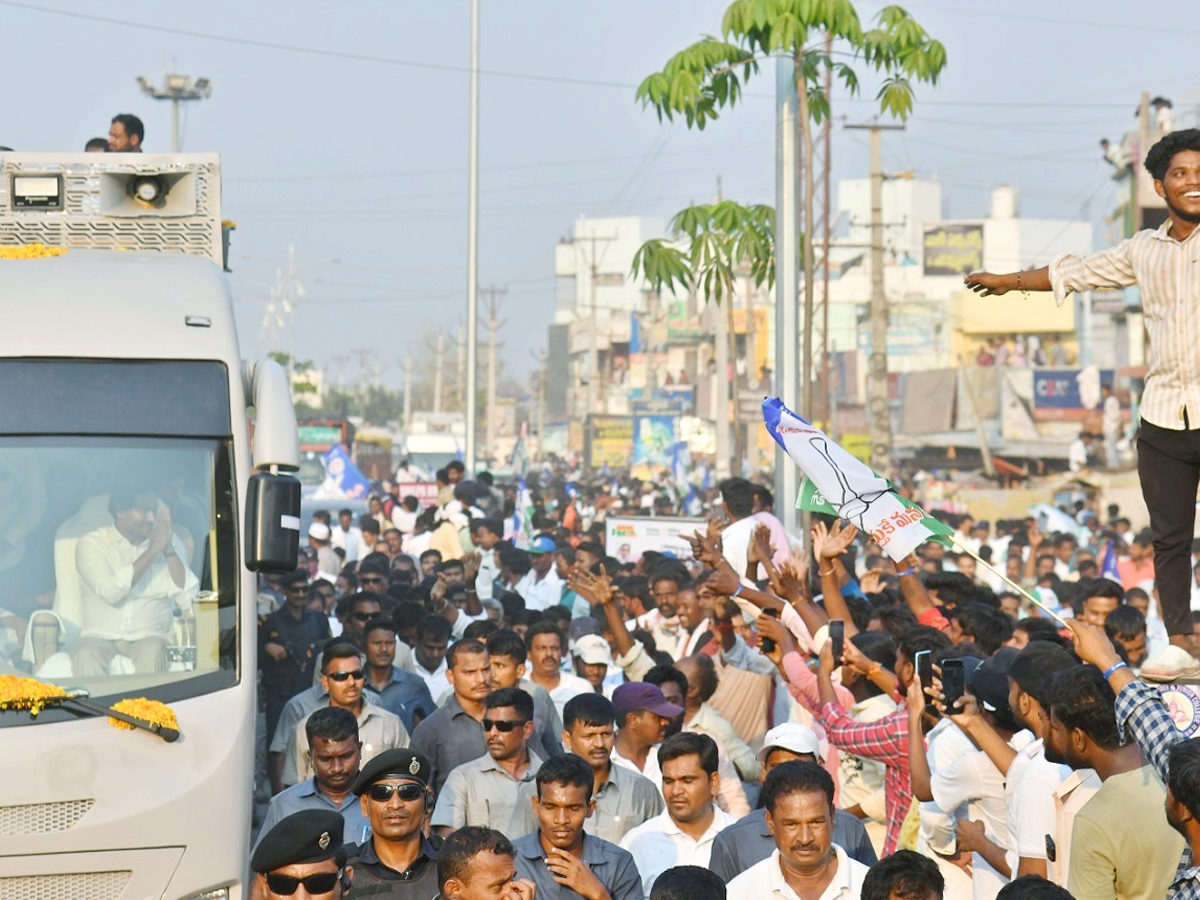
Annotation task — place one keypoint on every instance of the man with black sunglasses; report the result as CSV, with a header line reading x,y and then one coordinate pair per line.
x,y
304,850
484,791
343,675
398,861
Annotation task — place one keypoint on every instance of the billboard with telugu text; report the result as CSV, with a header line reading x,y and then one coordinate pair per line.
x,y
609,441
953,249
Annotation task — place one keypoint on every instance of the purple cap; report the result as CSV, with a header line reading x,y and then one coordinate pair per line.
x,y
638,695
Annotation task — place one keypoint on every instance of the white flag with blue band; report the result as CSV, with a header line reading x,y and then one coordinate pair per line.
x,y
838,484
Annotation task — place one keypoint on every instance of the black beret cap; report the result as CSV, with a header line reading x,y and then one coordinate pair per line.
x,y
309,836
393,764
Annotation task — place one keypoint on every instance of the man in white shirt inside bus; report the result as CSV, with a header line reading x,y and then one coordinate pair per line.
x,y
131,576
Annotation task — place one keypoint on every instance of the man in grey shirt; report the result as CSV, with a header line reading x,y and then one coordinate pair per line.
x,y
484,791
749,841
623,799
561,860
453,735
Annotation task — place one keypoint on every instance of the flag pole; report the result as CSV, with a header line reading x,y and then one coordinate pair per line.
x,y
1016,587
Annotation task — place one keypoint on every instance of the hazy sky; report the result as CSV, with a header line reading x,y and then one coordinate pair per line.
x,y
352,144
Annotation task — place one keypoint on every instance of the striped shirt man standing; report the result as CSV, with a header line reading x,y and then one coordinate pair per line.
x,y
1165,264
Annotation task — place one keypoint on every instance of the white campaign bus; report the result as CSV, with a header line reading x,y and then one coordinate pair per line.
x,y
121,377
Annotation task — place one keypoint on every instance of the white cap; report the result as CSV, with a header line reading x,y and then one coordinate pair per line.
x,y
791,736
593,650
318,531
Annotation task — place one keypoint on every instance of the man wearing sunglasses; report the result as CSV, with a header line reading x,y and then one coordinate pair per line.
x,y
484,791
302,855
398,861
343,675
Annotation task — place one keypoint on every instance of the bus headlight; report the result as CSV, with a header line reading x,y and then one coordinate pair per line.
x,y
215,894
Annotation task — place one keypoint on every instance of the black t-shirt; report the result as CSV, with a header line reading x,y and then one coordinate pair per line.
x,y
303,639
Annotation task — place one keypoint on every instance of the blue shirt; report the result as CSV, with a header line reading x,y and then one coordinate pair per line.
x,y
306,795
612,866
404,695
748,841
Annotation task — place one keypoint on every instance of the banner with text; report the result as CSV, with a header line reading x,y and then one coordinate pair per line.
x,y
839,485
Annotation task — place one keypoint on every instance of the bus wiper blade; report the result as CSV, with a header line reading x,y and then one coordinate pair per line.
x,y
79,697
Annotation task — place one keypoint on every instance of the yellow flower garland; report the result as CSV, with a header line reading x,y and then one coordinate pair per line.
x,y
17,692
27,693
31,251
148,710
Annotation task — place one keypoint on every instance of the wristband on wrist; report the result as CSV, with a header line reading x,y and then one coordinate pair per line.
x,y
1119,664
738,592
874,671
906,572
823,574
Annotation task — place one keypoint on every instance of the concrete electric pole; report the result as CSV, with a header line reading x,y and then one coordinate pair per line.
x,y
439,357
787,273
492,307
472,249
178,89
877,367
593,263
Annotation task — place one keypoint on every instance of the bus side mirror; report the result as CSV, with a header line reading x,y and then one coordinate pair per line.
x,y
272,522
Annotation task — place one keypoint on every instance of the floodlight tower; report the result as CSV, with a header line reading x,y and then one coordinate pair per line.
x,y
178,89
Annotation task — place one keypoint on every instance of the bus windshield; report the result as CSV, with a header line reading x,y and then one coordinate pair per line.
x,y
118,566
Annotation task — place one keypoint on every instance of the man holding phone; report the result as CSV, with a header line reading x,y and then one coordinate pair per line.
x,y
884,740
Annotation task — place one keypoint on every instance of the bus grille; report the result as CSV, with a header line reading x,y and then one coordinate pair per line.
x,y
42,818
81,886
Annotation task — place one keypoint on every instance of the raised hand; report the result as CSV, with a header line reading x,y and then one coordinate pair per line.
x,y
1092,645
160,532
771,628
787,582
830,543
471,564
871,583
986,284
724,581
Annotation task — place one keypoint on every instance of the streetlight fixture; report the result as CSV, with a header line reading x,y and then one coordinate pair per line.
x,y
178,89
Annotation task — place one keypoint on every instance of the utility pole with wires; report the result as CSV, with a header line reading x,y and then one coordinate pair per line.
x,y
363,355
593,261
823,158
492,297
339,361
540,357
877,365
407,367
439,355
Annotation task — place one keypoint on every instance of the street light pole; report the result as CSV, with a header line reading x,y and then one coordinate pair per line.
x,y
178,89
787,272
473,250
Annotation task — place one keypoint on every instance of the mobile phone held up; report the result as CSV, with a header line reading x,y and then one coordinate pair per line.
x,y
837,635
923,663
766,644
954,682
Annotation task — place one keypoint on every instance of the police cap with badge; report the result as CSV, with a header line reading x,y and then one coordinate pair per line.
x,y
394,764
309,836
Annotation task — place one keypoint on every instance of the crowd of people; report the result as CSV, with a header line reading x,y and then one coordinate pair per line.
x,y
477,700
